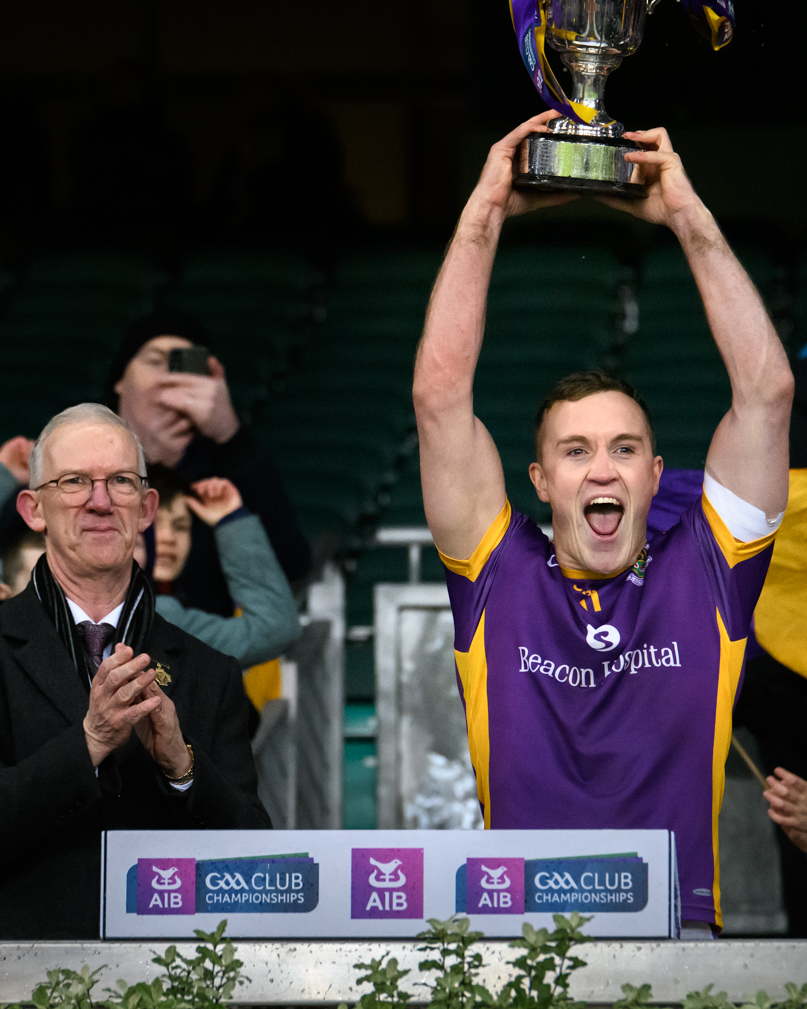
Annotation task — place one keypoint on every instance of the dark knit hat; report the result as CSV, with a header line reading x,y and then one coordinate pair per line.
x,y
161,322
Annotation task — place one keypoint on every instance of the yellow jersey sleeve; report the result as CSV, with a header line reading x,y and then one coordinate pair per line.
x,y
472,567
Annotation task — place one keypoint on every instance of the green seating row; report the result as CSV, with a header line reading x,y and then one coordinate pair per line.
x,y
100,268
347,370
258,267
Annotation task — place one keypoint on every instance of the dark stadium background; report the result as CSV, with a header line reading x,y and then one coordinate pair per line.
x,y
291,173
357,114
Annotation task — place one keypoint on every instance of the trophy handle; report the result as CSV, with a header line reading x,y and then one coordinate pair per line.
x,y
651,5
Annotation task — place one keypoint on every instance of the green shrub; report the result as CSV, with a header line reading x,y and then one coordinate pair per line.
x,y
200,982
539,977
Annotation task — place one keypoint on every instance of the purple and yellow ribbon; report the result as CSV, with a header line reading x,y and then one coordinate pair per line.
x,y
714,18
529,21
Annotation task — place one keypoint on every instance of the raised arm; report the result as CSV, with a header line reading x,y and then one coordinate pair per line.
x,y
749,450
255,580
269,621
463,482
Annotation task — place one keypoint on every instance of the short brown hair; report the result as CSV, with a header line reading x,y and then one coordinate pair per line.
x,y
579,386
168,484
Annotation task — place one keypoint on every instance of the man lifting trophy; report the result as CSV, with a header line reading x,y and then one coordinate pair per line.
x,y
598,668
585,148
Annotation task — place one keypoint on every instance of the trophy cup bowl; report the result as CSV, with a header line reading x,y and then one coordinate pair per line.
x,y
592,37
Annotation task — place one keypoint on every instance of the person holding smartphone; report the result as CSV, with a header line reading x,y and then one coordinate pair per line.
x,y
173,393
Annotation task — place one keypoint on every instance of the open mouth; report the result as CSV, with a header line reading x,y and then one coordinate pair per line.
x,y
604,514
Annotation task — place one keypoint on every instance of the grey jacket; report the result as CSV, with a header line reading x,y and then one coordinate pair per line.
x,y
258,588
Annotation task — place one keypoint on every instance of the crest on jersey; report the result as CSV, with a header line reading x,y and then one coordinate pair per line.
x,y
640,566
639,569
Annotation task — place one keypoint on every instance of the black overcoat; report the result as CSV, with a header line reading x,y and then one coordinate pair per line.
x,y
53,805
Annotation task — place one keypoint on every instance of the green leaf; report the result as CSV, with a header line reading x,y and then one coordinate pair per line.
x,y
40,997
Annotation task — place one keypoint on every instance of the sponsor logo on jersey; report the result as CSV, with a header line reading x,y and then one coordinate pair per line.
x,y
574,676
604,638
646,657
386,883
252,885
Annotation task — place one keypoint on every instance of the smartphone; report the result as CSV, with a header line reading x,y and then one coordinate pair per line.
x,y
189,359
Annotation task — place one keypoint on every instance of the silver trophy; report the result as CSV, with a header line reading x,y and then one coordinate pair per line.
x,y
592,37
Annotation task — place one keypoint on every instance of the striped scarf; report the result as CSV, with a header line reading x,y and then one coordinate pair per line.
x,y
133,627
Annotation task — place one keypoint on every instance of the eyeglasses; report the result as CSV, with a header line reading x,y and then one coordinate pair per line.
x,y
76,488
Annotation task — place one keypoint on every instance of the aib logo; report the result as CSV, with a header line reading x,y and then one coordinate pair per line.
x,y
494,886
166,886
273,884
387,875
604,638
387,883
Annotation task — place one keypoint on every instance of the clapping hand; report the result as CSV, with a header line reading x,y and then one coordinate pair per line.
x,y
117,701
161,735
125,696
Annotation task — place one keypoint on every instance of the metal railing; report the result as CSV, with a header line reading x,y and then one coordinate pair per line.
x,y
321,973
298,745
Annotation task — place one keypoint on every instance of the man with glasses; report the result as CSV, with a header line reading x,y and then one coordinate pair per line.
x,y
110,717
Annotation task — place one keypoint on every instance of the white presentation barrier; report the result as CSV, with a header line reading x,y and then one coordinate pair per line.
x,y
338,884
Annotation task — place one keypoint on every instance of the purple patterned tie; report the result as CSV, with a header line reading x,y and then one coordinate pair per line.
x,y
96,638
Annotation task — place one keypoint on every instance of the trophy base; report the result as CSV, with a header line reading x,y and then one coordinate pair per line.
x,y
581,163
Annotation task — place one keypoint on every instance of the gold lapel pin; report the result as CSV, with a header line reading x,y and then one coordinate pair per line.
x,y
163,677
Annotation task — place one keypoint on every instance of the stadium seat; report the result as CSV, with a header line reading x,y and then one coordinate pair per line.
x,y
102,268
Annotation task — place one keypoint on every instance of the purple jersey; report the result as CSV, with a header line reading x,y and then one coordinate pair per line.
x,y
598,702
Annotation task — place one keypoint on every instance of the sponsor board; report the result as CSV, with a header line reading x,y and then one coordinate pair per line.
x,y
606,884
277,884
341,884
